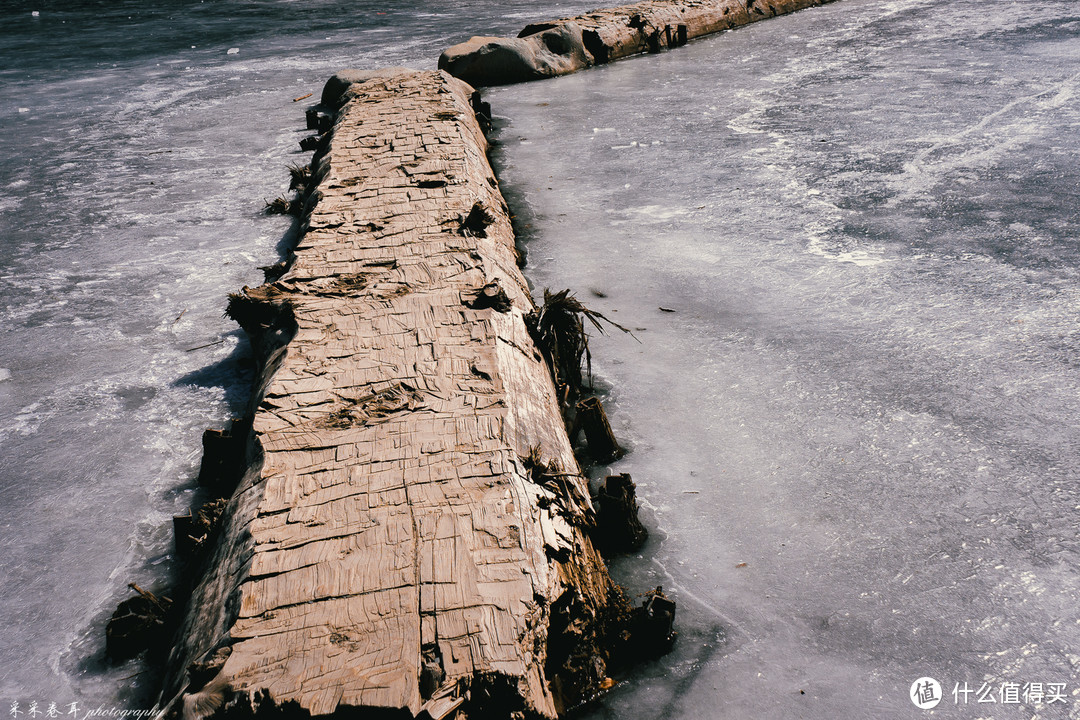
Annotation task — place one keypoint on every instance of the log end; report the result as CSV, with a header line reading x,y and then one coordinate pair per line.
x,y
558,49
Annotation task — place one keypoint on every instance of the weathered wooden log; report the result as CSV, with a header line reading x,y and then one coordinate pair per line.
x,y
392,547
570,44
559,50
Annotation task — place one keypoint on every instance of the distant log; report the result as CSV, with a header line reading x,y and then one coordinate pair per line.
x,y
570,44
410,536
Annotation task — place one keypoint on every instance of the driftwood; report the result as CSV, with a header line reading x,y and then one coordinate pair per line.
x,y
570,44
410,535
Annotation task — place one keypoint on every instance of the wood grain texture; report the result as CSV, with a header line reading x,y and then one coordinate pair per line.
x,y
387,547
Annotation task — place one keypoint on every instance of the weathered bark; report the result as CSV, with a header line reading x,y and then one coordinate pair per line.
x,y
570,44
390,546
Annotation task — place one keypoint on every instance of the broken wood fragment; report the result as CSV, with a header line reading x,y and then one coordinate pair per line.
x,y
223,457
220,461
194,532
281,205
654,624
591,418
300,176
490,296
312,142
619,529
138,623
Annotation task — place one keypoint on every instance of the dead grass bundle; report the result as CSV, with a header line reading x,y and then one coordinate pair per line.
x,y
558,328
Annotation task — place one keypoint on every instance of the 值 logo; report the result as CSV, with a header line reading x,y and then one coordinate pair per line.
x,y
925,693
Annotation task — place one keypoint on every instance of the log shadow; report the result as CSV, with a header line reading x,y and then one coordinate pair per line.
x,y
234,374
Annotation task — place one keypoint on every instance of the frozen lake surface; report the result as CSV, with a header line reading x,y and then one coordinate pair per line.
x,y
855,434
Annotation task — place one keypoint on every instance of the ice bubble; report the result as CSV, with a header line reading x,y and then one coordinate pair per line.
x,y
35,13
22,110
233,51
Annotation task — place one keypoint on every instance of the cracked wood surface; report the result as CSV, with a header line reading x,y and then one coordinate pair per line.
x,y
391,519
